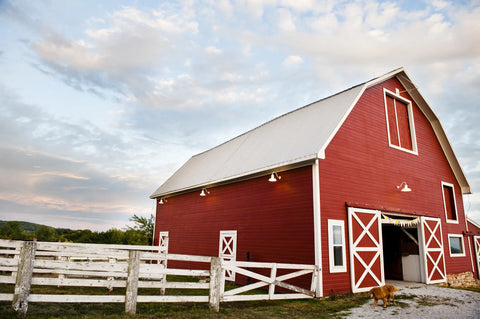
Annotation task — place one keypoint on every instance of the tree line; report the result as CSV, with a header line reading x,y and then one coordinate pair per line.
x,y
141,233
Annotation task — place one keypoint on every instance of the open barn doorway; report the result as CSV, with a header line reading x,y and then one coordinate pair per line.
x,y
401,252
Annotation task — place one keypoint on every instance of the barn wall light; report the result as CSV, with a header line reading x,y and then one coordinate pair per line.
x,y
274,177
404,188
204,192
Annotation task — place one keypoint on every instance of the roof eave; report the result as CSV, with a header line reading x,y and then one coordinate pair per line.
x,y
279,167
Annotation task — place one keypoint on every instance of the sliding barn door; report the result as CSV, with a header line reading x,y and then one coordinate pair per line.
x,y
366,249
431,250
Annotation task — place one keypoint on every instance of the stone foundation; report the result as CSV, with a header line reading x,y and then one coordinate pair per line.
x,y
464,279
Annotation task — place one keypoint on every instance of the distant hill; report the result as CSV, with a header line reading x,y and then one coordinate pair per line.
x,y
21,230
27,226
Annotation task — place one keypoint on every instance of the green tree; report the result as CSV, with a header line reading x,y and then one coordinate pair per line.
x,y
12,230
46,233
144,227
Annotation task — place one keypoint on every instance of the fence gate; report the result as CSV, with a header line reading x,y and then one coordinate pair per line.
x,y
476,243
431,250
227,250
163,245
366,249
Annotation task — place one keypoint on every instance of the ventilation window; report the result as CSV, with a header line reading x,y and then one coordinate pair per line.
x,y
401,130
449,203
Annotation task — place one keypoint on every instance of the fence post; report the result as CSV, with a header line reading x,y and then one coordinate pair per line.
x,y
164,239
216,280
24,278
132,282
316,284
273,276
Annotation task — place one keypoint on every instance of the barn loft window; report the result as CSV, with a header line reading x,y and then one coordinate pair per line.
x,y
336,245
456,245
400,127
449,203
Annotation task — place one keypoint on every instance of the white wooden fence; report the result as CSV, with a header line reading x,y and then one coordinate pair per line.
x,y
26,264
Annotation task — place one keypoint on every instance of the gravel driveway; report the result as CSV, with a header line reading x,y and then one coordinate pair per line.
x,y
423,301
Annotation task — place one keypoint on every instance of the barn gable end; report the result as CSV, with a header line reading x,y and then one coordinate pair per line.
x,y
362,170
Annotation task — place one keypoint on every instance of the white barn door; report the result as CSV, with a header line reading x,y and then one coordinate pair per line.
x,y
366,249
476,243
227,250
431,250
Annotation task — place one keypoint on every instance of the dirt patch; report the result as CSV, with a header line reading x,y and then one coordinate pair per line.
x,y
424,301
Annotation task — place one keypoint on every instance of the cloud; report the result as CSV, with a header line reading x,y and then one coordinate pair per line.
x,y
121,56
292,60
50,164
213,50
285,20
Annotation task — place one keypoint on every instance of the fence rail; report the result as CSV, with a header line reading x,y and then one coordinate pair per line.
x,y
24,264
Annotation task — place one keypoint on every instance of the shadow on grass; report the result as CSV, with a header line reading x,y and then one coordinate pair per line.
x,y
311,308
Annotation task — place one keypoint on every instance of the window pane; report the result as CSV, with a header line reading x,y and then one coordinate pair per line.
x,y
405,135
338,255
392,120
456,245
337,235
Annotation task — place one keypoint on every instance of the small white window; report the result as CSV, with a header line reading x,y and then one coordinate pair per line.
x,y
456,245
336,245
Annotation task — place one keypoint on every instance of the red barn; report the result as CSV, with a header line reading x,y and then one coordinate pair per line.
x,y
363,183
473,231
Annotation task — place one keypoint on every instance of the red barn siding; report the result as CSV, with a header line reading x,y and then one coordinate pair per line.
x,y
274,221
473,229
360,168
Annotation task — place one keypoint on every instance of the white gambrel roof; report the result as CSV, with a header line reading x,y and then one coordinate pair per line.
x,y
300,136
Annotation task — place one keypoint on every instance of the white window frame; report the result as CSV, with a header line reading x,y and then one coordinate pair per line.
x,y
411,122
451,221
462,245
333,268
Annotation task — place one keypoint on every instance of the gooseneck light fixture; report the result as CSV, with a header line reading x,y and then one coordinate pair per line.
x,y
404,188
273,178
162,201
204,192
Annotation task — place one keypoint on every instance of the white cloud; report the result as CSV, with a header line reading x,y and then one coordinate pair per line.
x,y
303,6
381,15
213,50
285,20
292,60
440,4
325,24
255,8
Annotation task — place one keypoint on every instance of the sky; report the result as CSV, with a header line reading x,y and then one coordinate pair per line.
x,y
101,101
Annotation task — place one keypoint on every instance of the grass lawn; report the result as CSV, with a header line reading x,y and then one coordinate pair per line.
x,y
309,308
